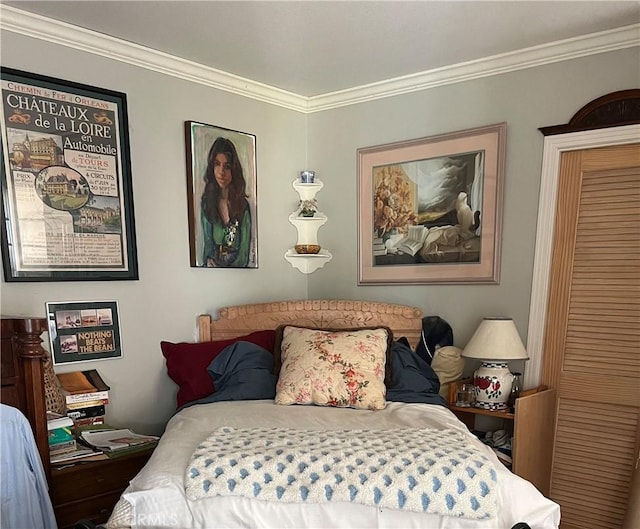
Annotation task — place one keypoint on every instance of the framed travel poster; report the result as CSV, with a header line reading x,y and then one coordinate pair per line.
x,y
67,205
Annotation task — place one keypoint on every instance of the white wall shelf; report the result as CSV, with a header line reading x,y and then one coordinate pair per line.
x,y
307,228
307,191
308,263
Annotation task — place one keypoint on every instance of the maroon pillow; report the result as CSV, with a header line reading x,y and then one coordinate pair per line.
x,y
187,363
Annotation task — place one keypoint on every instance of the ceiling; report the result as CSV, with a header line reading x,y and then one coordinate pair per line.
x,y
311,48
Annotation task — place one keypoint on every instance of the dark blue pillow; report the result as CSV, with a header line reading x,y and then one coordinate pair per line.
x,y
436,332
412,378
242,371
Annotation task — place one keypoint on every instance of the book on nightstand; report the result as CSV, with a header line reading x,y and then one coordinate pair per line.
x,y
86,396
86,412
89,421
60,436
59,428
83,386
63,447
87,404
80,454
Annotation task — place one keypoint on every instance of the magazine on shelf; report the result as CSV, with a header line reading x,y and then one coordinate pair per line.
x,y
112,440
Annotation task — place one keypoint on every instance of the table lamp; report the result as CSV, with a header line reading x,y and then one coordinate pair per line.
x,y
495,342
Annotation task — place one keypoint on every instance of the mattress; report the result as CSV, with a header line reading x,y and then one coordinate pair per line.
x,y
156,497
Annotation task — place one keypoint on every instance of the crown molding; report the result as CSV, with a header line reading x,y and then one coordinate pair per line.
x,y
611,40
78,38
70,36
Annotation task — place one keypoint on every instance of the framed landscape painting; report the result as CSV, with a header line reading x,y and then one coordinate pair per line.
x,y
430,209
67,204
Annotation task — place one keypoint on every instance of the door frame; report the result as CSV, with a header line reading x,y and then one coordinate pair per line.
x,y
553,148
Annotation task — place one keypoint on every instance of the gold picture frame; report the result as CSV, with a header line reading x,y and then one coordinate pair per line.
x,y
430,209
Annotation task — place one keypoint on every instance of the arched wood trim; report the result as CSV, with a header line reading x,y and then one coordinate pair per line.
x,y
620,125
612,110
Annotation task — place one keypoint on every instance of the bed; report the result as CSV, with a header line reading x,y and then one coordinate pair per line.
x,y
311,457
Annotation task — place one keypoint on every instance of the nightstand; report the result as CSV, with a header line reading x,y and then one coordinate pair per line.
x,y
90,490
531,424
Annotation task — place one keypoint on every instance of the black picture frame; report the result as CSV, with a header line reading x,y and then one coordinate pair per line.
x,y
83,331
67,201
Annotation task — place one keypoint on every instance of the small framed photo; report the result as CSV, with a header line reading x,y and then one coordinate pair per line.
x,y
221,197
67,204
81,331
430,209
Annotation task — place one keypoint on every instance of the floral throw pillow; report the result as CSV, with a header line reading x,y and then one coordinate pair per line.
x,y
341,368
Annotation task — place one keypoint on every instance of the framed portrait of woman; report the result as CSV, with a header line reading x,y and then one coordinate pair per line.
x,y
221,197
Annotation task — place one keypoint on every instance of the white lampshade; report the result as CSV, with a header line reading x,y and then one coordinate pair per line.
x,y
496,339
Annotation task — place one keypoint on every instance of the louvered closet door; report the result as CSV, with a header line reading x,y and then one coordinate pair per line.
x,y
592,340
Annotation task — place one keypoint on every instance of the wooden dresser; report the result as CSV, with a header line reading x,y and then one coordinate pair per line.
x,y
89,491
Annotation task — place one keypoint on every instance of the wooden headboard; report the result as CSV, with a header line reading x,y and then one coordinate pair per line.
x,y
22,358
322,313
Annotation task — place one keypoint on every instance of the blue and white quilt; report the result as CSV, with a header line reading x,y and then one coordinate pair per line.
x,y
423,470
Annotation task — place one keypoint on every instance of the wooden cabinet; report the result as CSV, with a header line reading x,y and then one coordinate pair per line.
x,y
90,490
531,425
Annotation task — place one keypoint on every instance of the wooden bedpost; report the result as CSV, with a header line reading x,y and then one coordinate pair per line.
x,y
29,381
204,328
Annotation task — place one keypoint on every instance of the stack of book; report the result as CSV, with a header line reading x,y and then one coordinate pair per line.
x,y
86,396
61,440
378,246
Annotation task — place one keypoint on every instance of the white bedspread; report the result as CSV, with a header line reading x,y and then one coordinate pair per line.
x,y
157,497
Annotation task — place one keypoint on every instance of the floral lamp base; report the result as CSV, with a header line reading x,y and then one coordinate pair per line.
x,y
492,385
